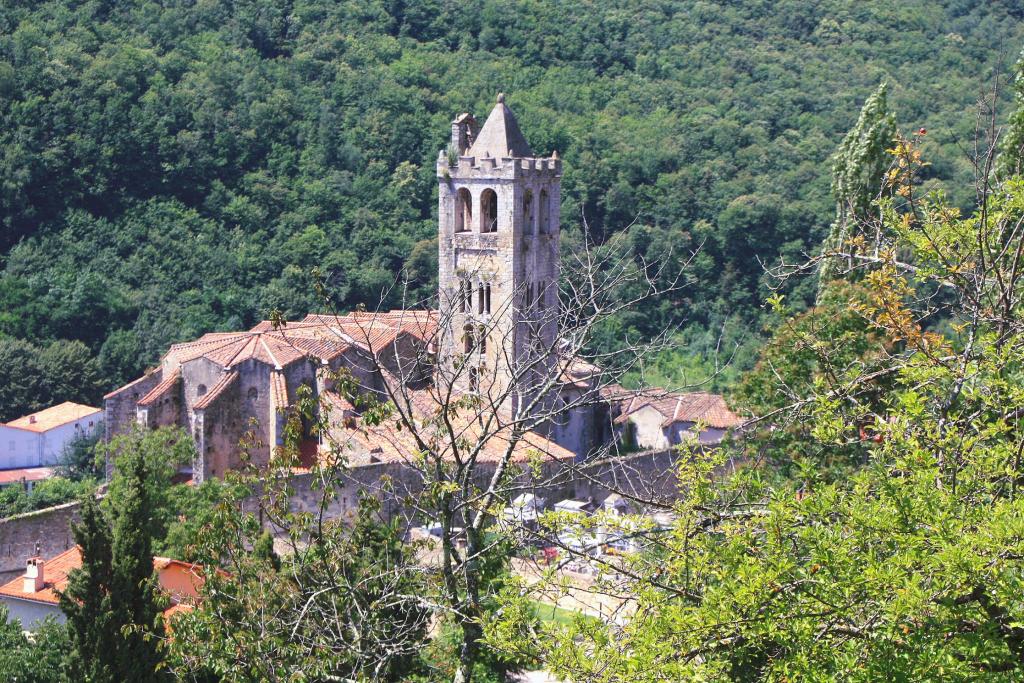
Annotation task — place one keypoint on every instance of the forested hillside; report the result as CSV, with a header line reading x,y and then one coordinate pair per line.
x,y
170,168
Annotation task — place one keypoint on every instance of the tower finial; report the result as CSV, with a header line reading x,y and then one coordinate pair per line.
x,y
501,97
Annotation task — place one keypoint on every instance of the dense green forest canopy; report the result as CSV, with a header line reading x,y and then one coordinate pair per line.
x,y
170,168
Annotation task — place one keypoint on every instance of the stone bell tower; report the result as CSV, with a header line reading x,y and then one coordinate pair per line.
x,y
498,242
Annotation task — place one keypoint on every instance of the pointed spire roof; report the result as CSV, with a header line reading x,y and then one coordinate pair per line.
x,y
500,136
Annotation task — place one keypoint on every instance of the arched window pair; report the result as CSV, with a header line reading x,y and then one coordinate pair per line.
x,y
488,211
465,297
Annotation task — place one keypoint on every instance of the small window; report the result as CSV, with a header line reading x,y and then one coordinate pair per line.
x,y
480,299
487,298
201,390
253,393
528,226
467,338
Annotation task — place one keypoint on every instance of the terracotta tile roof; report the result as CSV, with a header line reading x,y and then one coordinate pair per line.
x,y
166,387
57,569
25,474
322,337
55,416
226,381
55,573
278,391
710,409
383,443
337,401
117,391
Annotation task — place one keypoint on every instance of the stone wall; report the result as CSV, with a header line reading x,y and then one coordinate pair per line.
x,y
43,532
119,406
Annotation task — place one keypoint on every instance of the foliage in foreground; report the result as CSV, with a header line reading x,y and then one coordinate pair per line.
x,y
39,659
907,567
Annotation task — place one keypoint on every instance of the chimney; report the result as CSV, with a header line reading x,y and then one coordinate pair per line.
x,y
31,419
34,576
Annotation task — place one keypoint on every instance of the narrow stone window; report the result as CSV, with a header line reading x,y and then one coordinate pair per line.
x,y
487,298
253,393
545,213
528,226
480,299
463,210
488,211
467,339
201,390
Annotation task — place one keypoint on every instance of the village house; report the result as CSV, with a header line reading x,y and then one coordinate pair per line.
x,y
659,419
34,596
31,445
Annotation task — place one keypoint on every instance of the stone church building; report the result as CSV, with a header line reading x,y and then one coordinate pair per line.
x,y
496,327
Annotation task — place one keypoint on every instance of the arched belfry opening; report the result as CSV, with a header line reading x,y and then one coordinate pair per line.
x,y
463,210
488,211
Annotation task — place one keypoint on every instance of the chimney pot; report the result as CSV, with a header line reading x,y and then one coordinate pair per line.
x,y
32,419
35,577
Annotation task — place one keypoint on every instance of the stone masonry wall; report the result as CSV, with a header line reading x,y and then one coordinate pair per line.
x,y
43,532
119,407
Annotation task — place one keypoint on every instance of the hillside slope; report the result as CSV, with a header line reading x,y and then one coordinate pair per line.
x,y
176,167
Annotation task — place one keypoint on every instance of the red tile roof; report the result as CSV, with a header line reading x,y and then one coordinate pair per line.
x,y
322,337
117,391
26,474
278,391
384,443
166,387
57,569
710,409
55,416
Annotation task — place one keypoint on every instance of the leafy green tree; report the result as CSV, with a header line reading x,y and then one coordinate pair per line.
x,y
39,659
79,459
1010,161
342,603
22,380
87,602
858,182
136,604
909,567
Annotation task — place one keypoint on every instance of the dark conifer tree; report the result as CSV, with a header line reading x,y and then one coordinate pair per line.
x,y
87,600
858,170
136,602
112,601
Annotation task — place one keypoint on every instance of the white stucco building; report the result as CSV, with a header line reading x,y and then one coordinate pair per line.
x,y
38,440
